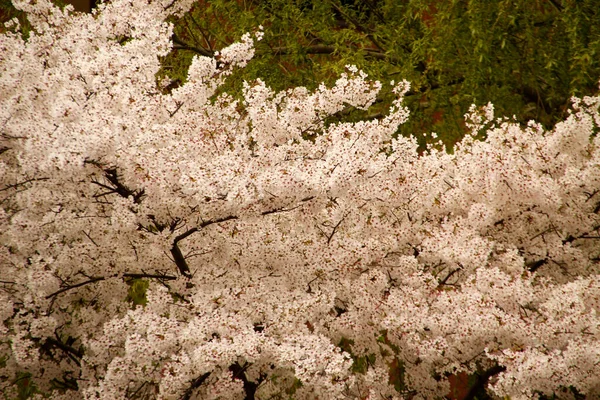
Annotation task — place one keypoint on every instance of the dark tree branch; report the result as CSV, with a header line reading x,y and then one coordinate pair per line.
x,y
556,5
171,4
533,95
180,44
95,279
443,281
180,262
283,209
206,40
203,225
74,286
178,106
358,25
122,190
71,352
327,49
239,372
178,256
111,175
333,231
196,383
482,381
16,185
535,265
151,276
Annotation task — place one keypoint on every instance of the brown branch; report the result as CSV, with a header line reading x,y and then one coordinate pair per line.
x,y
16,185
283,209
180,262
72,353
335,227
150,276
556,5
117,187
95,279
178,104
203,225
535,265
443,281
482,380
92,280
239,372
181,45
314,49
178,256
201,31
196,383
327,49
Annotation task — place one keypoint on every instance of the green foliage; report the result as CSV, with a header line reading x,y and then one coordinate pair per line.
x,y
291,391
526,56
137,292
25,386
360,363
8,12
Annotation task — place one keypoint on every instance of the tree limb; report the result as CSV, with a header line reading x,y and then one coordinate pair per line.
x,y
482,381
181,45
196,383
73,353
95,279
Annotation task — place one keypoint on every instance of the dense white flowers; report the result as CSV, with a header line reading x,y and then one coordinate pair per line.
x,y
188,245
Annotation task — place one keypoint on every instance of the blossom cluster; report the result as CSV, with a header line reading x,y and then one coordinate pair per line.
x,y
279,254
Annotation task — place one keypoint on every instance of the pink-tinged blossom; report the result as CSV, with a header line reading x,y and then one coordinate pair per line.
x,y
280,254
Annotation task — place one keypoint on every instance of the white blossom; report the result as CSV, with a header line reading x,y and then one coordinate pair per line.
x,y
188,244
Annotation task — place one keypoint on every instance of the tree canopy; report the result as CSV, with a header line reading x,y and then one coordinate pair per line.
x,y
206,236
526,57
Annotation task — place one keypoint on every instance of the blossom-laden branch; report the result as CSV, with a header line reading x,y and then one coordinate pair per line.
x,y
178,257
94,279
304,297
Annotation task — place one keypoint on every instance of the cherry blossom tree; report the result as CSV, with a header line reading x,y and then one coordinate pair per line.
x,y
180,244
